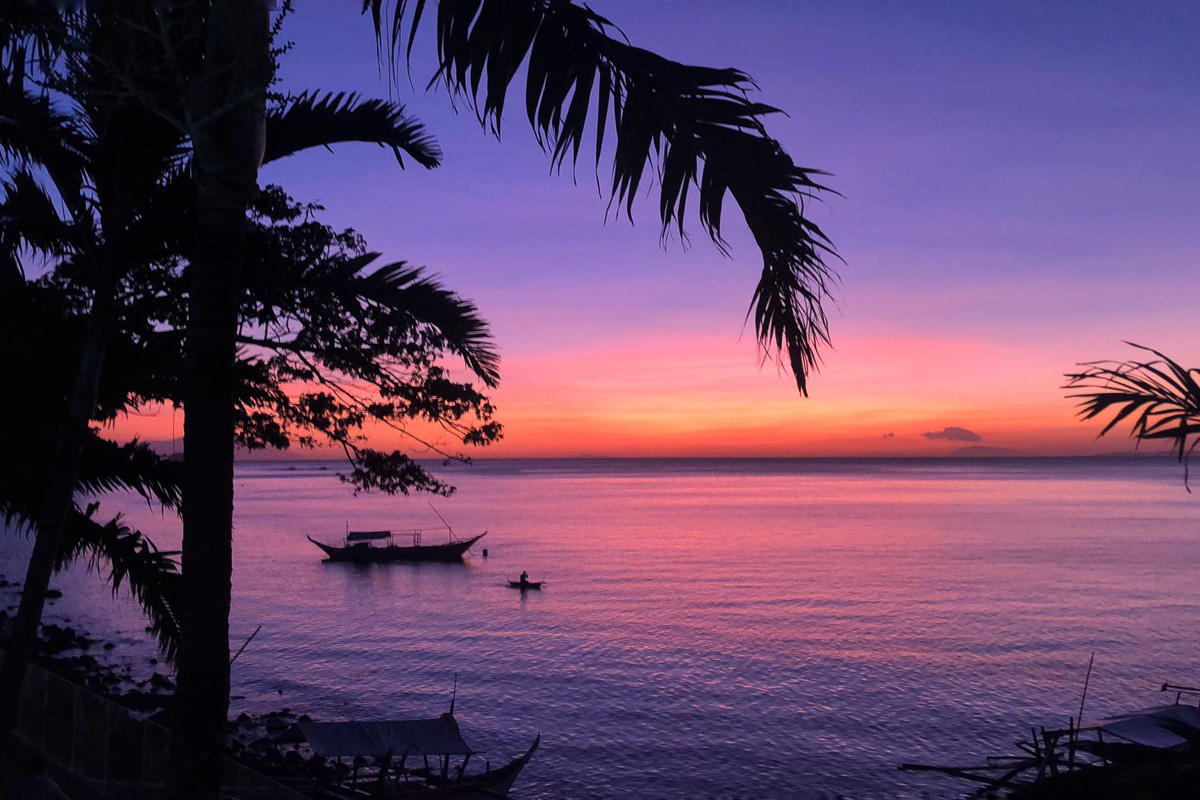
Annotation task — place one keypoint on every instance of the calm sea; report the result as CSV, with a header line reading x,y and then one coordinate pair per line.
x,y
790,629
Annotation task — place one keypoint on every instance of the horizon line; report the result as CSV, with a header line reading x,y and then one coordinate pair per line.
x,y
865,457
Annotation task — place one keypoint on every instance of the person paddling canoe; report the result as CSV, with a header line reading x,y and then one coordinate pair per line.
x,y
524,583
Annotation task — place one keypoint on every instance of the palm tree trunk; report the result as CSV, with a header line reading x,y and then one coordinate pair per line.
x,y
228,119
202,698
55,506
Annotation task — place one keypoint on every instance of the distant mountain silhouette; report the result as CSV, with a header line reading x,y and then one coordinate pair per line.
x,y
980,451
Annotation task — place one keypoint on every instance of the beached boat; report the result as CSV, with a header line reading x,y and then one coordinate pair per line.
x,y
1154,752
370,547
409,759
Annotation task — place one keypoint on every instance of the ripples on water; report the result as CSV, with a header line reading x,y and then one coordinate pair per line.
x,y
719,628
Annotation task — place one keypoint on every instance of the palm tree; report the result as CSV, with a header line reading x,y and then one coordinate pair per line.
x,y
37,136
228,136
227,125
41,331
1159,396
699,122
110,159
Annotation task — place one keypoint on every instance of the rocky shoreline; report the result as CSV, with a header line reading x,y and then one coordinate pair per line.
x,y
69,653
269,743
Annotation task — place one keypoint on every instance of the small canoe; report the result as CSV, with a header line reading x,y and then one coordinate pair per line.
x,y
525,585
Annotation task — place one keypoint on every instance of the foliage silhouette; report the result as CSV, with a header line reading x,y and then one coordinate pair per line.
x,y
215,74
1159,397
694,127
306,272
39,338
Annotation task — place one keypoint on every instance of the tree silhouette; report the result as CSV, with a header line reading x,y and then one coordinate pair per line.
x,y
106,149
75,132
40,337
324,314
210,71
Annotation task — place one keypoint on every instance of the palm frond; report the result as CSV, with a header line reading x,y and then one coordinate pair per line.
x,y
151,575
16,516
107,466
28,218
1159,396
404,289
33,131
404,294
312,120
31,36
694,127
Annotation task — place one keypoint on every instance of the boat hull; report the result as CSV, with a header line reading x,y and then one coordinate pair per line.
x,y
368,554
491,785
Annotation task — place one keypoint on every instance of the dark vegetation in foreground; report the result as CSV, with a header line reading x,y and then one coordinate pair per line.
x,y
266,743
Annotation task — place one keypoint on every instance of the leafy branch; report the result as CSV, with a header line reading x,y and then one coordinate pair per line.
x,y
1161,397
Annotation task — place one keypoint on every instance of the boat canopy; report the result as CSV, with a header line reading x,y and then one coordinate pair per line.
x,y
428,737
1157,728
365,536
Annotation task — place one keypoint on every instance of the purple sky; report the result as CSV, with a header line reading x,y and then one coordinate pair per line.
x,y
1020,193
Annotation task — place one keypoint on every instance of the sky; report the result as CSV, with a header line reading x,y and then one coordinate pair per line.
x,y
1019,193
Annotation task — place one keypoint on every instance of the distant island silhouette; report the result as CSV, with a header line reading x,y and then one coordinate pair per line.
x,y
982,450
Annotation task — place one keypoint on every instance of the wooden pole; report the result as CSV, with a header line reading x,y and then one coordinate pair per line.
x,y
1071,744
243,647
1048,741
1086,681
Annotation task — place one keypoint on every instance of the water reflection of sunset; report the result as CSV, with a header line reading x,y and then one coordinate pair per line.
x,y
816,613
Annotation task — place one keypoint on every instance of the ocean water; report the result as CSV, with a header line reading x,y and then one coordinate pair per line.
x,y
789,629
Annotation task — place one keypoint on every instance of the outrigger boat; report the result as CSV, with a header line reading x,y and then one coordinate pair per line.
x,y
370,547
407,759
1154,752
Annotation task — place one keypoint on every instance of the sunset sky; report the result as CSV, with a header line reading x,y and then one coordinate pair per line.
x,y
1020,193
